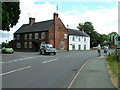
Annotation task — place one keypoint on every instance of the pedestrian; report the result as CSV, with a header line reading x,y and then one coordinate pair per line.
x,y
99,50
105,50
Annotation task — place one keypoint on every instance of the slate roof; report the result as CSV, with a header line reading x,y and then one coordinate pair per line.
x,y
45,26
77,32
35,27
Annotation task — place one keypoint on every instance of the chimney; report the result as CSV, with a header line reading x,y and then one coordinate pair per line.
x,y
31,20
55,16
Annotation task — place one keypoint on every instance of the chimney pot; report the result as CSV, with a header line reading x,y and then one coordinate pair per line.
x,y
31,20
55,15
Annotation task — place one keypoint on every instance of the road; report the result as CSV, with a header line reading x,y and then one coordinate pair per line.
x,y
31,70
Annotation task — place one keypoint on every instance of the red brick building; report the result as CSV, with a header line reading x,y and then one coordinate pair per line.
x,y
29,36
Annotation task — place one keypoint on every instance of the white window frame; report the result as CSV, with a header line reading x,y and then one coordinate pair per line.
x,y
25,44
43,35
73,39
79,39
18,45
30,36
73,47
79,47
25,36
62,45
84,47
65,36
36,35
30,44
18,37
85,39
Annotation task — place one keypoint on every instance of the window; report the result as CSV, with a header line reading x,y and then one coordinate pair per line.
x,y
84,38
65,36
79,38
30,44
73,38
25,37
36,35
73,47
84,47
79,47
18,45
18,37
62,45
25,45
30,36
43,35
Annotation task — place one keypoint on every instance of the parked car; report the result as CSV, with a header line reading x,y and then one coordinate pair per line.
x,y
47,49
7,50
113,46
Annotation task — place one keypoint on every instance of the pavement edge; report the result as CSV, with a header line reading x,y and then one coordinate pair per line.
x,y
72,81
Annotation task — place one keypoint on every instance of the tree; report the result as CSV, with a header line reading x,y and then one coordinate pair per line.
x,y
112,38
4,44
89,29
10,14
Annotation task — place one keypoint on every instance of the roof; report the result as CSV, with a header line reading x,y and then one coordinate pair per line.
x,y
77,32
35,27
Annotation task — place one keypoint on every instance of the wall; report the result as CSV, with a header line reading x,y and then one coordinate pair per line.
x,y
77,42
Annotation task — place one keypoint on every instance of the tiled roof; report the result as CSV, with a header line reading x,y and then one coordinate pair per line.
x,y
35,27
77,32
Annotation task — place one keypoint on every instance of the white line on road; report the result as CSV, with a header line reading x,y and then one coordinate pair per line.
x,y
71,83
23,59
51,60
2,62
14,70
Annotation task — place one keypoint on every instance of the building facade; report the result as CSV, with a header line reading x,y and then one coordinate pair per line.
x,y
78,40
29,36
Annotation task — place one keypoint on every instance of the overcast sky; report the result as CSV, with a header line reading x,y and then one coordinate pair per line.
x,y
103,15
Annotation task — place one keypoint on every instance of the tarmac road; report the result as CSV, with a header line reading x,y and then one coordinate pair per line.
x,y
31,70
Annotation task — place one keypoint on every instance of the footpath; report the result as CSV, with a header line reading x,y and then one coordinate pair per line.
x,y
93,75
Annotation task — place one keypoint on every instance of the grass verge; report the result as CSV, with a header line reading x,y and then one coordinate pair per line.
x,y
114,68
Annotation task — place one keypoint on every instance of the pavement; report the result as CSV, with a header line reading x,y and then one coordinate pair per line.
x,y
93,75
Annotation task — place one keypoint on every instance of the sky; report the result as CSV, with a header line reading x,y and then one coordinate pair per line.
x,y
103,15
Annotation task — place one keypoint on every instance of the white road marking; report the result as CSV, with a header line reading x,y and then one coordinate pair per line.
x,y
24,59
14,70
2,62
51,60
71,83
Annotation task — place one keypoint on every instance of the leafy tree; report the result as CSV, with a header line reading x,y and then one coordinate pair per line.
x,y
4,44
10,14
89,29
104,39
112,38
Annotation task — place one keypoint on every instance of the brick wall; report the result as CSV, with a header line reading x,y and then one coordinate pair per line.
x,y
57,33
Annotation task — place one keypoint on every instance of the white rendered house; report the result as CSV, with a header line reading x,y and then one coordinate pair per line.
x,y
78,40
